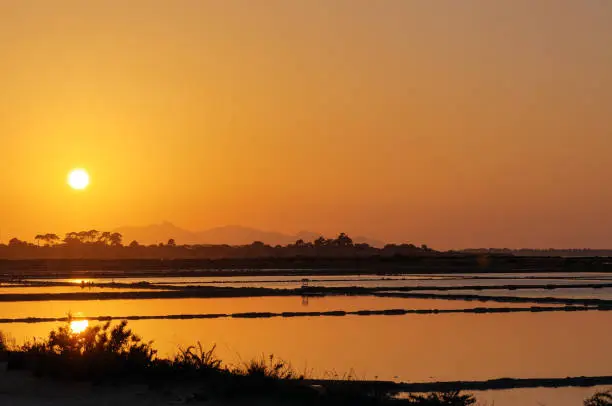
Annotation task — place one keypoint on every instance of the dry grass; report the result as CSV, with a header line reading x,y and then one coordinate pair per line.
x,y
453,398
7,342
195,358
104,353
268,367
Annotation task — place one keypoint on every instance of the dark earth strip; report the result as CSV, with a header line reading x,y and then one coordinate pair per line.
x,y
216,292
333,313
448,263
159,286
507,383
492,384
500,299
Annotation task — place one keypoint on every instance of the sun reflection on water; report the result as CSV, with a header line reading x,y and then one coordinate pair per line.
x,y
80,281
78,326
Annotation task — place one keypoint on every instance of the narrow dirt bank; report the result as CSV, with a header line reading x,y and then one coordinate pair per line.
x,y
333,313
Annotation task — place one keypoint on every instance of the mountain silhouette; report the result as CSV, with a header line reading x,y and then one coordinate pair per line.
x,y
231,235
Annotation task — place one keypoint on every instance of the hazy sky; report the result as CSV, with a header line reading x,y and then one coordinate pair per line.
x,y
451,123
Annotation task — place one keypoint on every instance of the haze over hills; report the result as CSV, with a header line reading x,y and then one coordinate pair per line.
x,y
231,235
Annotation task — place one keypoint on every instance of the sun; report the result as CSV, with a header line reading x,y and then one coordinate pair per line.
x,y
78,179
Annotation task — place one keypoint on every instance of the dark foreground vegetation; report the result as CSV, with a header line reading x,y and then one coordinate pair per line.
x,y
115,355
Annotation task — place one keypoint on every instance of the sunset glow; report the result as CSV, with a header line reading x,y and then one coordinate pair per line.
x,y
403,121
413,193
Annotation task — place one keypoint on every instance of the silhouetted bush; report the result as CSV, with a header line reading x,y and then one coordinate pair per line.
x,y
195,358
600,399
7,343
98,352
105,353
453,398
268,367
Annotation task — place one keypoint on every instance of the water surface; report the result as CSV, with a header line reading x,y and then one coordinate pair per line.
x,y
153,307
562,293
415,348
292,282
573,396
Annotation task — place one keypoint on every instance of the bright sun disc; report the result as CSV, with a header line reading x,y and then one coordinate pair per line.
x,y
78,326
78,179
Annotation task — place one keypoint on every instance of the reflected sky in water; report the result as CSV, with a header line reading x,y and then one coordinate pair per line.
x,y
291,282
538,396
405,348
565,293
153,307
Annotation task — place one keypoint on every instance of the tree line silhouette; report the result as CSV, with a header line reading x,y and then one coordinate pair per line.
x,y
82,237
102,244
541,252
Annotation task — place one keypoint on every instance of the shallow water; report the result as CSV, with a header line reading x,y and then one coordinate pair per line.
x,y
179,280
151,307
395,283
292,282
563,293
571,396
405,348
536,275
22,289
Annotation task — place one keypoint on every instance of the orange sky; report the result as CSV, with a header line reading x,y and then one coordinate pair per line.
x,y
456,124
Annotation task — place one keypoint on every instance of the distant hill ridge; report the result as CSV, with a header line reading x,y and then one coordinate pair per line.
x,y
231,235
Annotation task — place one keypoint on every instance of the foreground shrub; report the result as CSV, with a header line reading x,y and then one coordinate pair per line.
x,y
268,368
3,342
453,398
97,352
6,344
600,399
105,353
195,358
